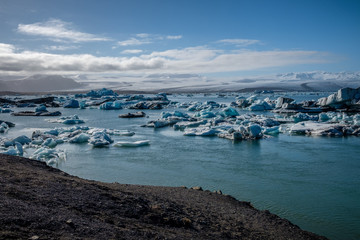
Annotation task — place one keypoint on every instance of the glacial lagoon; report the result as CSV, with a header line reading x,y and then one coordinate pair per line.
x,y
313,181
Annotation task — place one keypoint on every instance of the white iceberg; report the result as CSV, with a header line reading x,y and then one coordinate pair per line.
x,y
50,156
132,144
80,138
100,139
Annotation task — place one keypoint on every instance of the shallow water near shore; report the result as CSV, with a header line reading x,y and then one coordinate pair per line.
x,y
312,181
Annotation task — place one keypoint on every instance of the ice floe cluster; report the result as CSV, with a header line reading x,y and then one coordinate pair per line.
x,y
266,115
44,143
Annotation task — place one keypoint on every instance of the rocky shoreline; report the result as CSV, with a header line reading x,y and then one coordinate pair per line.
x,y
41,202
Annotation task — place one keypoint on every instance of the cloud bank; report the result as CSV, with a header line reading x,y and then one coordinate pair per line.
x,y
193,60
240,42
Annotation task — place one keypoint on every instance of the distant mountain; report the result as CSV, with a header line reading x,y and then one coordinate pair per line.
x,y
320,80
40,83
320,75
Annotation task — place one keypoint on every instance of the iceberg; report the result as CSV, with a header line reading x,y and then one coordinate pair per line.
x,y
316,128
100,139
119,132
260,105
80,138
229,112
201,131
69,120
132,144
101,93
254,131
22,140
11,151
205,114
50,156
188,124
343,98
49,142
111,105
6,110
282,100
4,127
41,108
72,104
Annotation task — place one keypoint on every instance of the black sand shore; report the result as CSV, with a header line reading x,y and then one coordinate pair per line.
x,y
40,202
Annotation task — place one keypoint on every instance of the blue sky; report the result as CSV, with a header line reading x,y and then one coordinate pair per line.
x,y
209,38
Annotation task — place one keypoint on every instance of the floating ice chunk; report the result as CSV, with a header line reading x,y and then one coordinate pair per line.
x,y
188,124
174,114
37,141
132,144
4,127
252,98
315,128
271,130
201,131
260,105
100,139
50,156
282,100
49,142
41,108
119,132
300,117
117,105
343,97
229,112
54,132
101,93
106,106
80,138
163,122
323,117
19,149
254,131
82,104
72,103
22,140
205,114
111,105
70,120
11,151
235,136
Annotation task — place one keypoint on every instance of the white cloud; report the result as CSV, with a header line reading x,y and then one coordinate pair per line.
x,y
174,37
58,30
240,42
143,35
132,51
6,48
194,60
28,62
60,48
146,38
134,41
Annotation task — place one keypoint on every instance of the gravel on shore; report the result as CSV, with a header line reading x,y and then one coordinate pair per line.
x,y
41,202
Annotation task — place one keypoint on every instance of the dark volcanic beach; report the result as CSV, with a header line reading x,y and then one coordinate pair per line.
x,y
41,202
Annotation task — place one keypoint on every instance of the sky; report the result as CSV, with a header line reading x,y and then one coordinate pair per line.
x,y
212,39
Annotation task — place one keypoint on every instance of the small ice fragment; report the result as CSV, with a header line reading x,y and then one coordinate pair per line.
x,y
132,144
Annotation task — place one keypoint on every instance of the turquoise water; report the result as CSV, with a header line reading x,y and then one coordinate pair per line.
x,y
312,181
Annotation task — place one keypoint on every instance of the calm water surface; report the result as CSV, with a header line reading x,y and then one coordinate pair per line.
x,y
312,181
